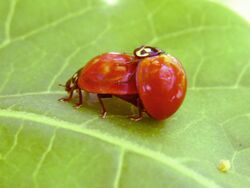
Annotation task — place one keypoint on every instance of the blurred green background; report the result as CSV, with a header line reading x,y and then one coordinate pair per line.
x,y
240,6
44,143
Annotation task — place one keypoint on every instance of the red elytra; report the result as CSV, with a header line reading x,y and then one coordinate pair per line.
x,y
161,83
152,80
109,73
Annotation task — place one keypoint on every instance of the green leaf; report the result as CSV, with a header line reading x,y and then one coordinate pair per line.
x,y
45,143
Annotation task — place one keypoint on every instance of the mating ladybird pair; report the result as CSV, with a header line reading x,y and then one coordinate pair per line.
x,y
153,81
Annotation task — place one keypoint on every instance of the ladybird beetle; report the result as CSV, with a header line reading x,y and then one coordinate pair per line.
x,y
152,80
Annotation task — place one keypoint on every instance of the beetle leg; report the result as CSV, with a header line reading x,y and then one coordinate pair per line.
x,y
105,95
103,112
67,98
140,111
79,104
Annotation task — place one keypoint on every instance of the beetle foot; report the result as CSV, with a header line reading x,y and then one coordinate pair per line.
x,y
64,99
77,105
103,114
136,118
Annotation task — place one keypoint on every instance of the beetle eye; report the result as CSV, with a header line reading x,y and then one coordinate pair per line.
x,y
75,77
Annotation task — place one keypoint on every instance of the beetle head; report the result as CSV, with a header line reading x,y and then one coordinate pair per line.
x,y
71,84
147,51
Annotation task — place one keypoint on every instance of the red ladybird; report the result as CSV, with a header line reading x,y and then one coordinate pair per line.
x,y
106,75
152,80
161,83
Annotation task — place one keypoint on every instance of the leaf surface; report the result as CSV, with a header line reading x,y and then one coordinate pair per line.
x,y
45,143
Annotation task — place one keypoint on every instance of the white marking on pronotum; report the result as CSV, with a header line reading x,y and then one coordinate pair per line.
x,y
143,52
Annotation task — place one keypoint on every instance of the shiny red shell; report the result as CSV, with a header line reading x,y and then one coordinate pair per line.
x,y
109,73
161,83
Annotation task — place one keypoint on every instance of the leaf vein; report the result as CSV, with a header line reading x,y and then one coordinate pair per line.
x,y
47,26
10,15
14,142
119,169
42,159
242,73
7,79
72,55
157,156
192,30
196,73
63,92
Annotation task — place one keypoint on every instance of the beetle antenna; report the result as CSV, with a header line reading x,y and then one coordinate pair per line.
x,y
61,85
